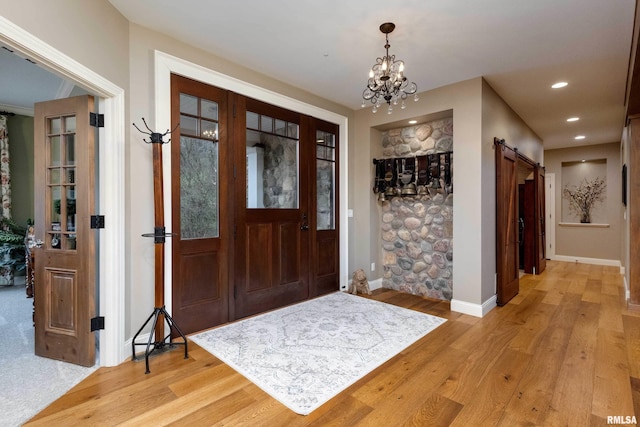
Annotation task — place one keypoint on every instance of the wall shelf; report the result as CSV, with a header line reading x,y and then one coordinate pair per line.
x,y
580,224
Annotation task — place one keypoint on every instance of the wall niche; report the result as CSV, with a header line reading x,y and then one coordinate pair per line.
x,y
417,230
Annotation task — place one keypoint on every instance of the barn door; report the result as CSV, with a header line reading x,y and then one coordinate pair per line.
x,y
506,223
65,276
540,218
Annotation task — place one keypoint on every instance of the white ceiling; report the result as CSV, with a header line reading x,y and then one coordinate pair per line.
x,y
521,48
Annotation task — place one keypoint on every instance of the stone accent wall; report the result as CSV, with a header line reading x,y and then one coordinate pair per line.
x,y
417,231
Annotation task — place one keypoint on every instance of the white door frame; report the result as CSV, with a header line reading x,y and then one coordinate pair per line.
x,y
166,64
550,210
111,260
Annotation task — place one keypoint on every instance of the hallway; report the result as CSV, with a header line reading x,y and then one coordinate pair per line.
x,y
564,351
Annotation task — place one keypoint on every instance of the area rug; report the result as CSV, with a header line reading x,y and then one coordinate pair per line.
x,y
305,354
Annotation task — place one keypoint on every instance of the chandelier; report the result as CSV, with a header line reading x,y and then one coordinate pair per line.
x,y
387,82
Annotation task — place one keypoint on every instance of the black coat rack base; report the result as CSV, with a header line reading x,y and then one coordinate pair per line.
x,y
163,345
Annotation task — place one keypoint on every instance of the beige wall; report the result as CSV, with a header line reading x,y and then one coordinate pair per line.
x,y
479,114
587,241
122,53
464,99
93,33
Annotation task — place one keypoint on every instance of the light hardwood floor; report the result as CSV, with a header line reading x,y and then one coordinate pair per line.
x,y
565,351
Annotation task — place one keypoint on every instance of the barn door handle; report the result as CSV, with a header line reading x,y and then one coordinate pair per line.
x,y
305,225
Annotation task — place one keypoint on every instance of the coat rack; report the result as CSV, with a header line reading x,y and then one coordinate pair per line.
x,y
159,316
423,175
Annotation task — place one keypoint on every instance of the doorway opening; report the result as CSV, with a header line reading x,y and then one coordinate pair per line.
x,y
111,254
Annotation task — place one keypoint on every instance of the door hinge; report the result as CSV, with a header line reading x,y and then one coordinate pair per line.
x,y
96,120
97,221
97,323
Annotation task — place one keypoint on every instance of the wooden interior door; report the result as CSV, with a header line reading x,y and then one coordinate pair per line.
x,y
65,276
540,220
271,207
200,178
506,223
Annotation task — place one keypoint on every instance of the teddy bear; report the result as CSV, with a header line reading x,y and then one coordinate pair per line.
x,y
359,283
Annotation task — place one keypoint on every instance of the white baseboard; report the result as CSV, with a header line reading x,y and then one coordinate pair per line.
x,y
622,270
139,349
476,310
627,291
375,284
583,260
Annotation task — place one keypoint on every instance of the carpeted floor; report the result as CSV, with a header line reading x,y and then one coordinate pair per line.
x,y
28,383
305,354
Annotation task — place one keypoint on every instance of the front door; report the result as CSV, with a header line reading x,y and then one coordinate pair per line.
x,y
254,202
200,163
272,224
65,276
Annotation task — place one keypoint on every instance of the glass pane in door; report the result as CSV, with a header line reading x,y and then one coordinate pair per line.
x,y
61,193
272,154
199,210
325,180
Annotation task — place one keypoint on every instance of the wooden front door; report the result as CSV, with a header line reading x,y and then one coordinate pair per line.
x,y
272,212
323,196
506,224
540,218
65,276
254,202
200,177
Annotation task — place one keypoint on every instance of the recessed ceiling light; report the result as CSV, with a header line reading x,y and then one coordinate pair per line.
x,y
583,160
413,122
573,119
580,137
559,85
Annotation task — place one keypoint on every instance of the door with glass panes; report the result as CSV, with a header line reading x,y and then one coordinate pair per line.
x,y
200,191
65,264
254,202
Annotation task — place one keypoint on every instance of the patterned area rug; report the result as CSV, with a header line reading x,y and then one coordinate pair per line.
x,y
305,354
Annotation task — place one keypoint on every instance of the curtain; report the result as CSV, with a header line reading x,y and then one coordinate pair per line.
x,y
6,273
5,173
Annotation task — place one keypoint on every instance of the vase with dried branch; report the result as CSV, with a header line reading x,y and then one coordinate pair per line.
x,y
584,197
